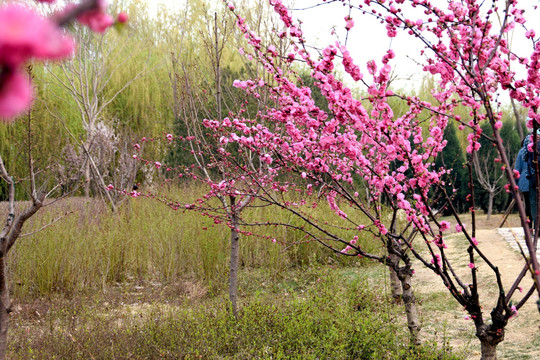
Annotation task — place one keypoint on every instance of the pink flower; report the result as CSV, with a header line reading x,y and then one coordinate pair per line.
x,y
230,6
110,187
459,228
15,95
122,18
157,164
514,311
445,225
471,265
25,34
97,20
349,23
169,137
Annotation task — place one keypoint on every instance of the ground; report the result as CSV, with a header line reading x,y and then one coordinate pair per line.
x,y
79,321
522,338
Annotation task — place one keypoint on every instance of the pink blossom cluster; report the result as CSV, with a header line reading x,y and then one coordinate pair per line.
x,y
97,19
352,141
26,35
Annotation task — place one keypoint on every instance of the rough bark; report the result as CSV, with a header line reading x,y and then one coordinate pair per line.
x,y
395,283
490,335
87,179
490,205
411,310
489,350
235,246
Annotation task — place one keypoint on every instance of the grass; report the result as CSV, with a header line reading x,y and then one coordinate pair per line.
x,y
152,283
147,241
311,314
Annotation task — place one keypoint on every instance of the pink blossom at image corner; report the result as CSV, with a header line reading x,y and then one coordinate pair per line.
x,y
16,95
24,34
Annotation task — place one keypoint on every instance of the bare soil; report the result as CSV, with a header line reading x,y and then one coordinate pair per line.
x,y
447,323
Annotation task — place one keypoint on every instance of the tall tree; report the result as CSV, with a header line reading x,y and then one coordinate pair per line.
x,y
452,158
468,56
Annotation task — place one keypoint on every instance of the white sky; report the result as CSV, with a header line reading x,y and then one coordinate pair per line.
x,y
368,39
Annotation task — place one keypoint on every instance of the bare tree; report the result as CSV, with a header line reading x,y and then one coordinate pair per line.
x,y
86,79
190,107
489,177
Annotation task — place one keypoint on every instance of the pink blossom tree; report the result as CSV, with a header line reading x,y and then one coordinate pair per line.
x,y
361,140
198,90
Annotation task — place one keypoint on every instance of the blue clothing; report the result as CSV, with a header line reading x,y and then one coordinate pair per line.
x,y
523,168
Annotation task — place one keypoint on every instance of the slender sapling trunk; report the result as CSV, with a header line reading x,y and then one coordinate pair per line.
x,y
235,247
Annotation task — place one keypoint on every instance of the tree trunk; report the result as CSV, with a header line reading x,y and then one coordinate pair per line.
x,y
395,284
490,205
235,246
87,178
489,350
409,301
490,335
4,309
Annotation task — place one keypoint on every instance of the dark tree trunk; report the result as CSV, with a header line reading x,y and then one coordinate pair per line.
x,y
395,283
489,350
490,335
413,322
235,246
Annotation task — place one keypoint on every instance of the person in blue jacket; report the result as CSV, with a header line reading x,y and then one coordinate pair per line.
x,y
522,167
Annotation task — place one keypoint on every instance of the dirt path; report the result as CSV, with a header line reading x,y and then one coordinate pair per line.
x,y
447,322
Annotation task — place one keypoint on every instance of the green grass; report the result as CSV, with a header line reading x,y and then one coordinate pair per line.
x,y
151,283
93,249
